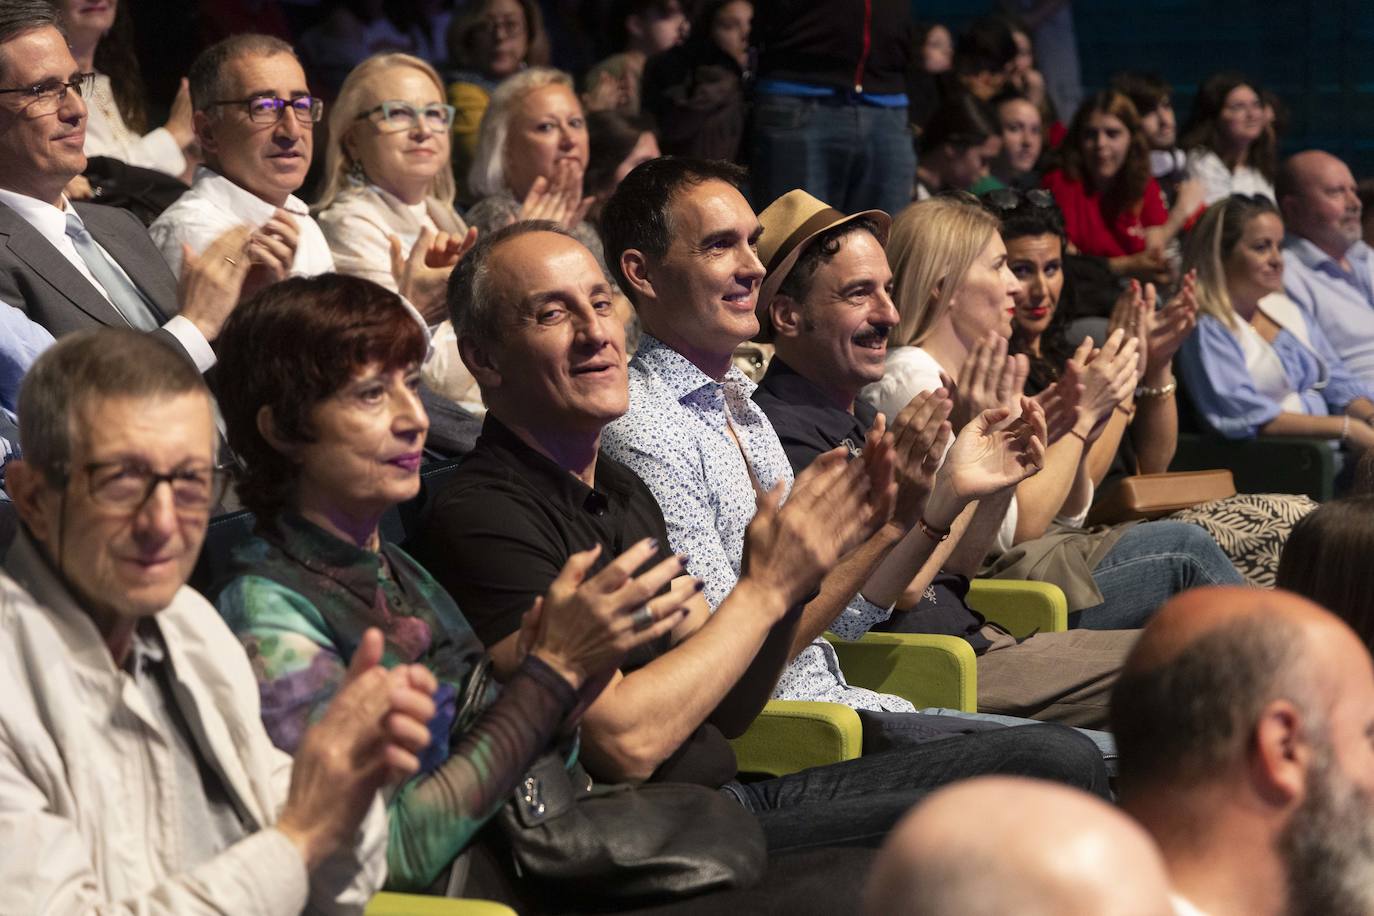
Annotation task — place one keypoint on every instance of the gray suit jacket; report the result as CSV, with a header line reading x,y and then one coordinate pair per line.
x,y
35,277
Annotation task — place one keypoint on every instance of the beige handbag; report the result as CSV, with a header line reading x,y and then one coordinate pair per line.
x,y
1146,496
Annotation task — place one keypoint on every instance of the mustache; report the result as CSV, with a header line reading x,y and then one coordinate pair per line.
x,y
872,334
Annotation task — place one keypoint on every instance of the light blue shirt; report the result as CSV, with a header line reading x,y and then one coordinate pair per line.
x,y
21,340
676,437
1220,385
1341,301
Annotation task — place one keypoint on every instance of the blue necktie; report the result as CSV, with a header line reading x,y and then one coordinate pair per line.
x,y
123,295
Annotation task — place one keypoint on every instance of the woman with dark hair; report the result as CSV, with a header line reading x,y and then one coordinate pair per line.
x,y
618,142
696,91
489,41
1112,206
101,37
1257,364
330,436
1326,559
1231,145
957,147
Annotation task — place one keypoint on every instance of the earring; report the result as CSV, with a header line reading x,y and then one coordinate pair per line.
x,y
356,173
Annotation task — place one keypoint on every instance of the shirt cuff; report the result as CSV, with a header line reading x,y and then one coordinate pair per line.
x,y
194,342
859,617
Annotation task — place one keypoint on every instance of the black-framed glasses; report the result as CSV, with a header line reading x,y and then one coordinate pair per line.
x,y
398,115
1005,200
268,109
50,93
128,485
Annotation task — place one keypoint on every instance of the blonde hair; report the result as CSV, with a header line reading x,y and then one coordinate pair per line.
x,y
488,173
343,116
1211,242
932,246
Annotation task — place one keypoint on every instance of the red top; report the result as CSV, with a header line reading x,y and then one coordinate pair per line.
x,y
1100,234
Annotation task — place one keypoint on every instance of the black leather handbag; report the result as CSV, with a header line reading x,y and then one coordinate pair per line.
x,y
616,842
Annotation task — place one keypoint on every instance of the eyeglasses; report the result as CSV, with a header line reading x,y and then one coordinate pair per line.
x,y
500,28
267,109
127,486
1005,200
49,94
398,116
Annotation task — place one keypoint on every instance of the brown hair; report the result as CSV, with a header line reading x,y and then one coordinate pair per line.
x,y
1128,189
288,348
1326,559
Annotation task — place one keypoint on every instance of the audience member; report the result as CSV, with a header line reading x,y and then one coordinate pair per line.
x,y
537,490
1231,148
937,47
255,119
1328,269
928,76
1244,719
984,57
643,28
350,31
1326,559
955,147
830,107
74,266
956,298
696,91
311,425
532,153
996,845
101,38
1153,100
1050,26
825,306
1365,191
488,41
618,142
1112,205
1023,78
140,677
21,341
1023,140
1258,363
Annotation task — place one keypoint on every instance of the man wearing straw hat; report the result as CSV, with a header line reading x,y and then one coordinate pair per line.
x,y
826,306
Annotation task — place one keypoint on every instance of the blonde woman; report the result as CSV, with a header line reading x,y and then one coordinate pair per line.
x,y
955,297
387,207
1256,364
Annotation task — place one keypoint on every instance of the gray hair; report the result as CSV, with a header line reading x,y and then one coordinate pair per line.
x,y
487,175
96,363
473,305
20,16
206,75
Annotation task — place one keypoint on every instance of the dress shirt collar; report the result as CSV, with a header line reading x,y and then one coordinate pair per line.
x,y
680,375
546,476
790,387
1314,258
216,189
49,221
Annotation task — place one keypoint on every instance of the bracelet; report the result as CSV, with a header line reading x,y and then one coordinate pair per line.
x,y
1081,438
935,534
1128,411
1345,426
1143,391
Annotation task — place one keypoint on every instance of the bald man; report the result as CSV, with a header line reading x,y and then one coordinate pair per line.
x,y
1245,722
997,844
1327,267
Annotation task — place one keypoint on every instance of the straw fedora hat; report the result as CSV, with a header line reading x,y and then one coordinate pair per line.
x,y
789,225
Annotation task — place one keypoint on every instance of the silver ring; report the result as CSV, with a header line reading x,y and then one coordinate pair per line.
x,y
642,618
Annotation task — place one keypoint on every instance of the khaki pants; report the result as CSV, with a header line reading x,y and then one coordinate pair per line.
x,y
1053,677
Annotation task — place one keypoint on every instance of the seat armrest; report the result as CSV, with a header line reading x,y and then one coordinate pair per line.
x,y
389,904
923,668
792,735
1020,607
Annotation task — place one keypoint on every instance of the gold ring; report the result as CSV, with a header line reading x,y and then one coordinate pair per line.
x,y
231,261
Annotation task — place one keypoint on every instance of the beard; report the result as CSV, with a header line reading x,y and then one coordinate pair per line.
x,y
1328,846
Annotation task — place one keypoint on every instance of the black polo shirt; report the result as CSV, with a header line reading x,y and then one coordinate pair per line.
x,y
499,533
809,425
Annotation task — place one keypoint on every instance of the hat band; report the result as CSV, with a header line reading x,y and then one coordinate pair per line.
x,y
818,221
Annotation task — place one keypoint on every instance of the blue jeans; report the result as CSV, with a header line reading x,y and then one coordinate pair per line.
x,y
851,156
857,802
1150,564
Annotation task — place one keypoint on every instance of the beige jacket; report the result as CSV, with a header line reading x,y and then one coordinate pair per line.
x,y
86,817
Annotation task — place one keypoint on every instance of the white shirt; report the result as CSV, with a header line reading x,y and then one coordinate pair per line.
x,y
88,821
51,223
108,135
214,205
1219,182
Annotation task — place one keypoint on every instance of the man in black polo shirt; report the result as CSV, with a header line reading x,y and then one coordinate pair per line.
x,y
827,308
532,310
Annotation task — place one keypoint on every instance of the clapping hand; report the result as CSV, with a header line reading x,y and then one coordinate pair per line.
x,y
1170,326
422,276
995,452
988,378
921,434
559,200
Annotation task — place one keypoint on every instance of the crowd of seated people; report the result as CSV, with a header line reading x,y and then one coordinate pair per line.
x,y
482,570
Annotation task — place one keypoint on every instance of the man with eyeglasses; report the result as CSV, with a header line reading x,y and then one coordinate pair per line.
x,y
255,120
71,266
135,772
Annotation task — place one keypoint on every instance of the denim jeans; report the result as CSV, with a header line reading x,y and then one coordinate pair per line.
x,y
851,156
1105,741
1149,565
857,802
